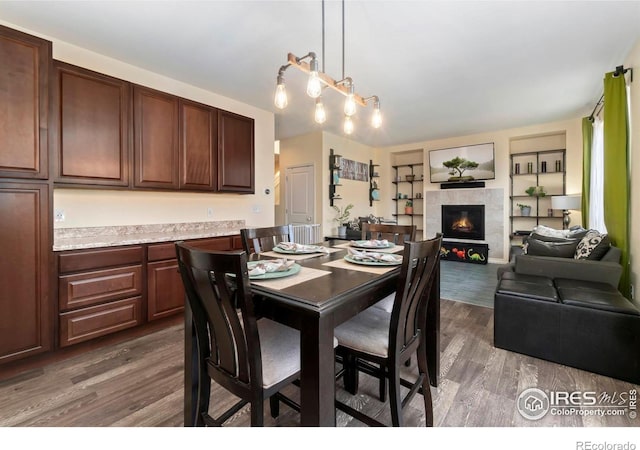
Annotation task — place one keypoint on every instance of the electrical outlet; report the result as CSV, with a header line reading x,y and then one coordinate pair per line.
x,y
209,212
58,215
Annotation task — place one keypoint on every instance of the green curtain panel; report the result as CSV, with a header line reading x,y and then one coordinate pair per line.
x,y
587,140
616,170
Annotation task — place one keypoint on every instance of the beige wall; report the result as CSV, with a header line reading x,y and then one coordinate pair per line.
x,y
300,151
84,207
502,140
351,191
633,60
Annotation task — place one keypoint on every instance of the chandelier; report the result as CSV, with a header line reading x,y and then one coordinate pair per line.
x,y
318,80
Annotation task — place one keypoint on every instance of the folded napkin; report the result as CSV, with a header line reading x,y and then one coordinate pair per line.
x,y
293,247
275,265
372,256
373,243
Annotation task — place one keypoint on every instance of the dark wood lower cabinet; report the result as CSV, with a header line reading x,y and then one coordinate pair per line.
x,y
88,323
165,294
25,305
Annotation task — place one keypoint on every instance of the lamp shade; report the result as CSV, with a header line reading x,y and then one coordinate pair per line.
x,y
566,201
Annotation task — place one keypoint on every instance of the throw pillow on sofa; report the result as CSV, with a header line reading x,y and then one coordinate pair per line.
x,y
593,246
575,232
565,248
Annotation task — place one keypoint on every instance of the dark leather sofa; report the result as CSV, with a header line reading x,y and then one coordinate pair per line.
x,y
584,324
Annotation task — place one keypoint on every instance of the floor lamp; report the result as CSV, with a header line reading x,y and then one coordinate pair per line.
x,y
565,203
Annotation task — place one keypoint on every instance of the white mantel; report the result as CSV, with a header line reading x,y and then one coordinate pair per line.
x,y
492,199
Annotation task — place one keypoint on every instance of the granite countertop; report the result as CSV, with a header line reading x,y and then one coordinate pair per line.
x,y
95,237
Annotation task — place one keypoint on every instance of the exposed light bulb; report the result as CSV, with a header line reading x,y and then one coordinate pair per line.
x,y
350,105
376,117
280,99
314,87
348,125
320,115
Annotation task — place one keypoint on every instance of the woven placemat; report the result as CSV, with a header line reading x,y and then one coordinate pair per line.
x,y
343,264
298,257
394,249
305,274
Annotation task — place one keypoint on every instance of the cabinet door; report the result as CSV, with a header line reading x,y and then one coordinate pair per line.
x,y
90,133
24,83
197,146
165,293
155,139
236,163
25,318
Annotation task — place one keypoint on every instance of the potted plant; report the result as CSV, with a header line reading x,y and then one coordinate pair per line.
x,y
536,191
342,214
525,210
408,207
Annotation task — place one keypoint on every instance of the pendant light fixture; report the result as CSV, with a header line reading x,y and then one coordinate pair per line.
x,y
319,80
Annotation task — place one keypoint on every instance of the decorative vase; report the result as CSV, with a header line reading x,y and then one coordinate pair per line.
x,y
408,209
336,178
525,211
342,230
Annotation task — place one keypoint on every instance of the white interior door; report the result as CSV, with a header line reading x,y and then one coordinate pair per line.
x,y
300,194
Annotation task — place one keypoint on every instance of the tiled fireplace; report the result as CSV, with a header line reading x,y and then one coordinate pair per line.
x,y
492,201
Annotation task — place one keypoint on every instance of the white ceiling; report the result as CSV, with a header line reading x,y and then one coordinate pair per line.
x,y
440,68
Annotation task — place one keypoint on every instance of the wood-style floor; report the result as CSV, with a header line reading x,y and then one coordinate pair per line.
x,y
139,383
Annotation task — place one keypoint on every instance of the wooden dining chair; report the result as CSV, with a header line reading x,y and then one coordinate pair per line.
x,y
252,359
397,234
257,240
376,337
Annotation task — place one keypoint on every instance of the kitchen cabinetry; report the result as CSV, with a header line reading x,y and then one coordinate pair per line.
x,y
155,127
24,96
334,177
198,144
25,313
530,169
99,292
408,180
236,159
90,127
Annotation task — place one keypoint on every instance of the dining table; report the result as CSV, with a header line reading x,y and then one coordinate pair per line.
x,y
326,291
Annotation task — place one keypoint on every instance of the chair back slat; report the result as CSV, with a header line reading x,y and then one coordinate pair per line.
x,y
398,234
419,267
215,282
258,240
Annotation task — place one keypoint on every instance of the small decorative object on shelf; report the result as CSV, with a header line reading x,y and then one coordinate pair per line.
x,y
530,167
408,207
558,165
516,169
543,166
536,191
525,210
410,178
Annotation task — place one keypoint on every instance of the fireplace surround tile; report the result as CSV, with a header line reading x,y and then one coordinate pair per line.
x,y
492,199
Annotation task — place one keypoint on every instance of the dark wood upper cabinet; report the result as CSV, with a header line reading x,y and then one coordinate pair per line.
x,y
236,164
198,142
90,132
24,84
25,305
155,125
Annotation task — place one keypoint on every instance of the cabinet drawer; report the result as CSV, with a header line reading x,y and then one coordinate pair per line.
x,y
237,242
220,243
90,288
160,252
75,261
89,323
